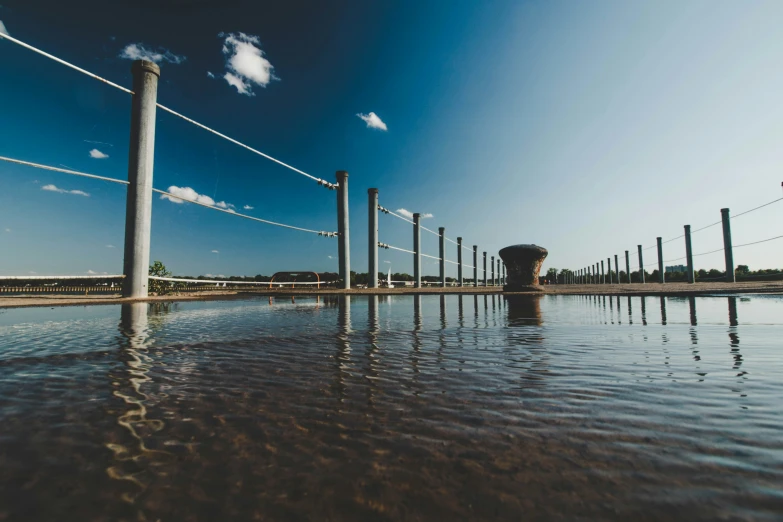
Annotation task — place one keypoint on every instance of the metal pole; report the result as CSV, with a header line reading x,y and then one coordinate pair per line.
x,y
689,254
141,160
485,269
661,276
492,268
628,266
641,264
617,269
727,248
343,229
498,272
609,270
417,250
459,262
475,265
372,239
442,250
603,275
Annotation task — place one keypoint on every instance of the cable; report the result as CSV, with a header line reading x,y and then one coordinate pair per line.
x,y
450,261
673,239
330,186
44,278
65,171
431,257
384,245
451,241
757,242
751,210
705,228
233,213
34,49
399,216
430,231
711,252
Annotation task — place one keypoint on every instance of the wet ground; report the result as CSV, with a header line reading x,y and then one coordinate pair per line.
x,y
394,408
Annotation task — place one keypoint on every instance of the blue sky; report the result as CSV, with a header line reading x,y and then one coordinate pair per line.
x,y
584,127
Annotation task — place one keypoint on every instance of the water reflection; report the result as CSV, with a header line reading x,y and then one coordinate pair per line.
x,y
524,310
663,310
342,358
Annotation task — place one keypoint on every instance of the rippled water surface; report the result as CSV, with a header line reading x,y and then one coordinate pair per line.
x,y
394,408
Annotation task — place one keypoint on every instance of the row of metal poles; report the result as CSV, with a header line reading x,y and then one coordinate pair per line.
x,y
594,274
373,245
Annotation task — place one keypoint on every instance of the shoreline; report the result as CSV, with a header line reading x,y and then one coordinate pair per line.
x,y
635,289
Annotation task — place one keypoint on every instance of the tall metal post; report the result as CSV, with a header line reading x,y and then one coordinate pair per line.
x,y
504,274
372,238
609,270
628,266
728,252
641,264
603,275
459,262
475,265
498,284
492,268
141,160
343,229
661,275
689,255
485,269
417,250
617,269
442,250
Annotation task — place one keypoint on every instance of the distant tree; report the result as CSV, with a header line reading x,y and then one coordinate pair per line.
x,y
158,269
742,270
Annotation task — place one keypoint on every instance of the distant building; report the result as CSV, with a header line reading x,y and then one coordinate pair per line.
x,y
676,269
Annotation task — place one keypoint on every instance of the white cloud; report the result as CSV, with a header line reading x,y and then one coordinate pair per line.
x,y
3,29
90,272
182,194
210,74
7,229
53,188
96,154
110,246
389,262
373,121
245,63
330,257
137,51
248,207
427,215
216,251
409,215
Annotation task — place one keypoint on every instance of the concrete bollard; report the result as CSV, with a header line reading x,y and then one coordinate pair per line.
x,y
661,275
689,255
343,230
728,252
442,255
141,161
475,265
372,238
417,250
641,264
459,262
628,266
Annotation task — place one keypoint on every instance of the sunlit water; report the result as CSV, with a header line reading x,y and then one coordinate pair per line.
x,y
398,408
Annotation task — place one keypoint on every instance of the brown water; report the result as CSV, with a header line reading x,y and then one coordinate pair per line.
x,y
394,408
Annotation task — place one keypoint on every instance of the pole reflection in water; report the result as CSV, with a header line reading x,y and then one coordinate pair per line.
x,y
475,310
619,315
373,362
734,335
692,307
630,311
343,356
611,309
644,310
443,321
460,312
416,346
663,310
135,462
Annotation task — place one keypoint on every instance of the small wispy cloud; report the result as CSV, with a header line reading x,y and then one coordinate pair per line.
x,y
246,66
96,154
408,214
183,194
373,121
53,188
110,246
137,51
330,257
216,251
209,74
248,207
3,29
389,262
92,272
7,229
32,272
99,143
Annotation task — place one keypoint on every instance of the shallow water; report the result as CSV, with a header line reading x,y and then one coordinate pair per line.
x,y
394,408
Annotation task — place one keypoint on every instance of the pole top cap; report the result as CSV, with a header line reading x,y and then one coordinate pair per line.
x,y
372,190
145,66
442,229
